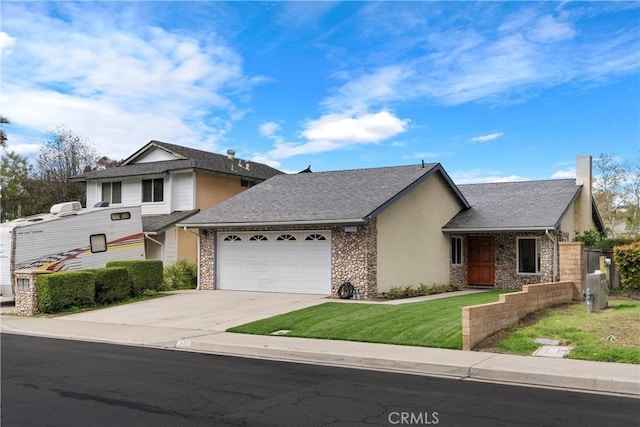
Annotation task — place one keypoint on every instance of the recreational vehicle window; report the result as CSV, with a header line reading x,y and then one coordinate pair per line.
x,y
98,243
118,216
153,190
112,192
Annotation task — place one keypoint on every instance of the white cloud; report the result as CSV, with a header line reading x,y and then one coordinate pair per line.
x,y
269,129
532,50
119,86
6,43
337,131
562,174
477,176
486,138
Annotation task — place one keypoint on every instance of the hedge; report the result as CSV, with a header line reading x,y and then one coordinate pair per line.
x,y
627,259
58,291
112,284
144,275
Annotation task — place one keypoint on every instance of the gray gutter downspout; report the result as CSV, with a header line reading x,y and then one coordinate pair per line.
x,y
555,256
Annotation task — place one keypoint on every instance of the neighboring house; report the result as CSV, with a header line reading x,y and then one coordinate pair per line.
x,y
171,183
386,227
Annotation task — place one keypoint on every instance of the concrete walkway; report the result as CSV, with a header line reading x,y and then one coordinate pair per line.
x,y
166,331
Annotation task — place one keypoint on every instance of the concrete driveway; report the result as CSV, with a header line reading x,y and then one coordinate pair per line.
x,y
204,310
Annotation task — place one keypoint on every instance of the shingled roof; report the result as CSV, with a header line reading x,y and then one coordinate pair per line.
x,y
155,224
186,159
349,197
515,206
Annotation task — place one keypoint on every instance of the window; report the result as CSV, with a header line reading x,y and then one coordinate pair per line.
x,y
456,250
119,216
22,285
315,237
152,190
528,255
285,237
258,238
232,238
112,192
98,243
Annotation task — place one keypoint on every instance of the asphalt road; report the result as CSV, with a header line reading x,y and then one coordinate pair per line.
x,y
47,382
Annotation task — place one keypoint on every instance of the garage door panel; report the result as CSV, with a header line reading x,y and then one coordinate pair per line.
x,y
271,265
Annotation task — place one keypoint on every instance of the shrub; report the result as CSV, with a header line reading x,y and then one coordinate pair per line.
x,y
627,259
112,284
421,290
144,275
58,291
593,239
181,275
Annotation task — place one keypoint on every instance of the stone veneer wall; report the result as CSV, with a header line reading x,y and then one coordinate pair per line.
x,y
206,268
506,276
484,320
353,256
572,266
27,300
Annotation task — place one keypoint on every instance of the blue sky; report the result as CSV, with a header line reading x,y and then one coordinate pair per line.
x,y
494,91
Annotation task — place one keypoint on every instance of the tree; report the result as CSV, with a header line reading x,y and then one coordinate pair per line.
x,y
3,134
64,155
14,185
607,189
631,196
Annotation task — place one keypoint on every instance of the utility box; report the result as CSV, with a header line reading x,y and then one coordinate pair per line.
x,y
596,291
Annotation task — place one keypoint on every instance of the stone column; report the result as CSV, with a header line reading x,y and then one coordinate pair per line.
x,y
26,296
206,271
571,260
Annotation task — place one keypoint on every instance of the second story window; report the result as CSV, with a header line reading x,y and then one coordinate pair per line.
x,y
152,190
112,192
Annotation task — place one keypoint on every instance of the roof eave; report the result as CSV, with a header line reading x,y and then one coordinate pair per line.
x,y
260,224
499,230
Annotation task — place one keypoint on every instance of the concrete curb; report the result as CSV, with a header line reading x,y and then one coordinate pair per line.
x,y
576,375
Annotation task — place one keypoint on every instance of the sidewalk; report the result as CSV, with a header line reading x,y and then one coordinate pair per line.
x,y
578,375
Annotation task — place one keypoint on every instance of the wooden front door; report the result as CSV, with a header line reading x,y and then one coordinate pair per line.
x,y
481,261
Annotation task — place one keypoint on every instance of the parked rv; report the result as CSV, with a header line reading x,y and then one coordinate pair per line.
x,y
69,238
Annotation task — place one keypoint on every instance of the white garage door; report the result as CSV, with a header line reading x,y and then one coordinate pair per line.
x,y
297,262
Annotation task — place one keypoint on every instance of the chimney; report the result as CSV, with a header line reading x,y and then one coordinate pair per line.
x,y
583,207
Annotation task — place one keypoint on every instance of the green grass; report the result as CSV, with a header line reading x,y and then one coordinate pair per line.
x,y
612,335
436,323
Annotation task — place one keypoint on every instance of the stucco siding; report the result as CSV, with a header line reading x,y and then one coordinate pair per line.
x,y
568,222
411,246
213,189
187,245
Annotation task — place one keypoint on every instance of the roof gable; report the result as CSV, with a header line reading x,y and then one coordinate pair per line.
x,y
160,157
517,206
350,196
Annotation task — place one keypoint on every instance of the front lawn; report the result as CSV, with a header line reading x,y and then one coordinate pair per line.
x,y
611,335
436,323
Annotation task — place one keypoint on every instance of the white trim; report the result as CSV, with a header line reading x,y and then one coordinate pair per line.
x,y
452,262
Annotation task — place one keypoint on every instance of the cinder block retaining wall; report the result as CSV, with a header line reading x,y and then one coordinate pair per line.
x,y
481,321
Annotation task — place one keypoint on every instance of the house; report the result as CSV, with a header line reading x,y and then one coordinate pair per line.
x,y
385,227
171,183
